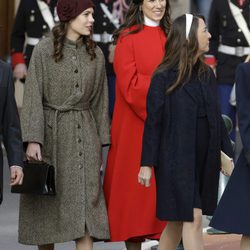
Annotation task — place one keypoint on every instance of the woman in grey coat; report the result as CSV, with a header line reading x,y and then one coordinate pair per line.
x,y
65,123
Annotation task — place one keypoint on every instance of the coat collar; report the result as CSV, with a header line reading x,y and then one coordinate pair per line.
x,y
190,89
73,44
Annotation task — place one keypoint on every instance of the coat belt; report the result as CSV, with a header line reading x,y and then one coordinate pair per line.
x,y
73,103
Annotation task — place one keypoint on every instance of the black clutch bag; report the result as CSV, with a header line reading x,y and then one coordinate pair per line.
x,y
39,179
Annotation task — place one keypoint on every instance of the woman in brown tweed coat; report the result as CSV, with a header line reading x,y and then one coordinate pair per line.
x,y
65,122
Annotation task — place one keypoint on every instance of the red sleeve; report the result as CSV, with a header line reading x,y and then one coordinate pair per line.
x,y
17,58
132,85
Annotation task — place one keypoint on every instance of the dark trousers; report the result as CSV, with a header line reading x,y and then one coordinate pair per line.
x,y
111,90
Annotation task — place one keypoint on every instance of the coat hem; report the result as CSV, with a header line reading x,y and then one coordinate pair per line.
x,y
141,236
67,239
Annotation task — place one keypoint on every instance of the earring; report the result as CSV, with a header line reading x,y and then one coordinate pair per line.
x,y
140,8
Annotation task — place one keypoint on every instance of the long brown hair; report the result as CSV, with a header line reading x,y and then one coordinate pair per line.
x,y
181,53
134,17
59,35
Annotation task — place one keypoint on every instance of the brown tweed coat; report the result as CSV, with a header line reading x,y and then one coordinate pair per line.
x,y
65,109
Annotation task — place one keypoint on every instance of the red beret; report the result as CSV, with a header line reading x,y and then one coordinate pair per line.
x,y
69,9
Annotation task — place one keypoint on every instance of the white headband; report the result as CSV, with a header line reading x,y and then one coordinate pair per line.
x,y
189,20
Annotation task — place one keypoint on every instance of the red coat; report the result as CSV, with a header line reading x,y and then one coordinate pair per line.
x,y
132,207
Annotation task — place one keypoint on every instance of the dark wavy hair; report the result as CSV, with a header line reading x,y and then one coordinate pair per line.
x,y
59,35
182,53
134,17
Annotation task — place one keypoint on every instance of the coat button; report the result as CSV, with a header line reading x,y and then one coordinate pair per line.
x,y
76,71
77,85
74,57
239,30
80,166
238,40
80,153
79,140
78,126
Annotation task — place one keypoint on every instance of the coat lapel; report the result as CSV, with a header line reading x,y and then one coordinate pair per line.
x,y
205,89
189,88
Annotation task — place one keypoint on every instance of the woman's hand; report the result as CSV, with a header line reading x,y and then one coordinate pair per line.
x,y
224,172
33,152
20,71
228,172
145,176
16,175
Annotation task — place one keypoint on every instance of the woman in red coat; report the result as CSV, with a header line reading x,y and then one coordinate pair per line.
x,y
140,43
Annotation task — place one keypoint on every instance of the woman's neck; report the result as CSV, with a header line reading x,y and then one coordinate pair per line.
x,y
72,36
150,22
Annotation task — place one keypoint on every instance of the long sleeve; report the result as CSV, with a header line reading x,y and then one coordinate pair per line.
x,y
11,127
214,27
225,142
243,105
99,102
18,35
132,85
152,129
32,117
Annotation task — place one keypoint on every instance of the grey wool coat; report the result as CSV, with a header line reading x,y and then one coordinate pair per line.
x,y
65,109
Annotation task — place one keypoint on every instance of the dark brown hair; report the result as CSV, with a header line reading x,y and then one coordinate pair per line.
x,y
59,35
134,17
182,53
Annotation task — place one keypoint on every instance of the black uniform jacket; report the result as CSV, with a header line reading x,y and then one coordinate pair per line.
x,y
225,30
169,145
103,25
29,22
10,130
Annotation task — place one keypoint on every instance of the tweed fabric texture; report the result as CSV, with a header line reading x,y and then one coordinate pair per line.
x,y
66,108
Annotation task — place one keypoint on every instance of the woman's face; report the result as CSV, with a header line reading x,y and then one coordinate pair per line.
x,y
81,25
154,9
203,36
